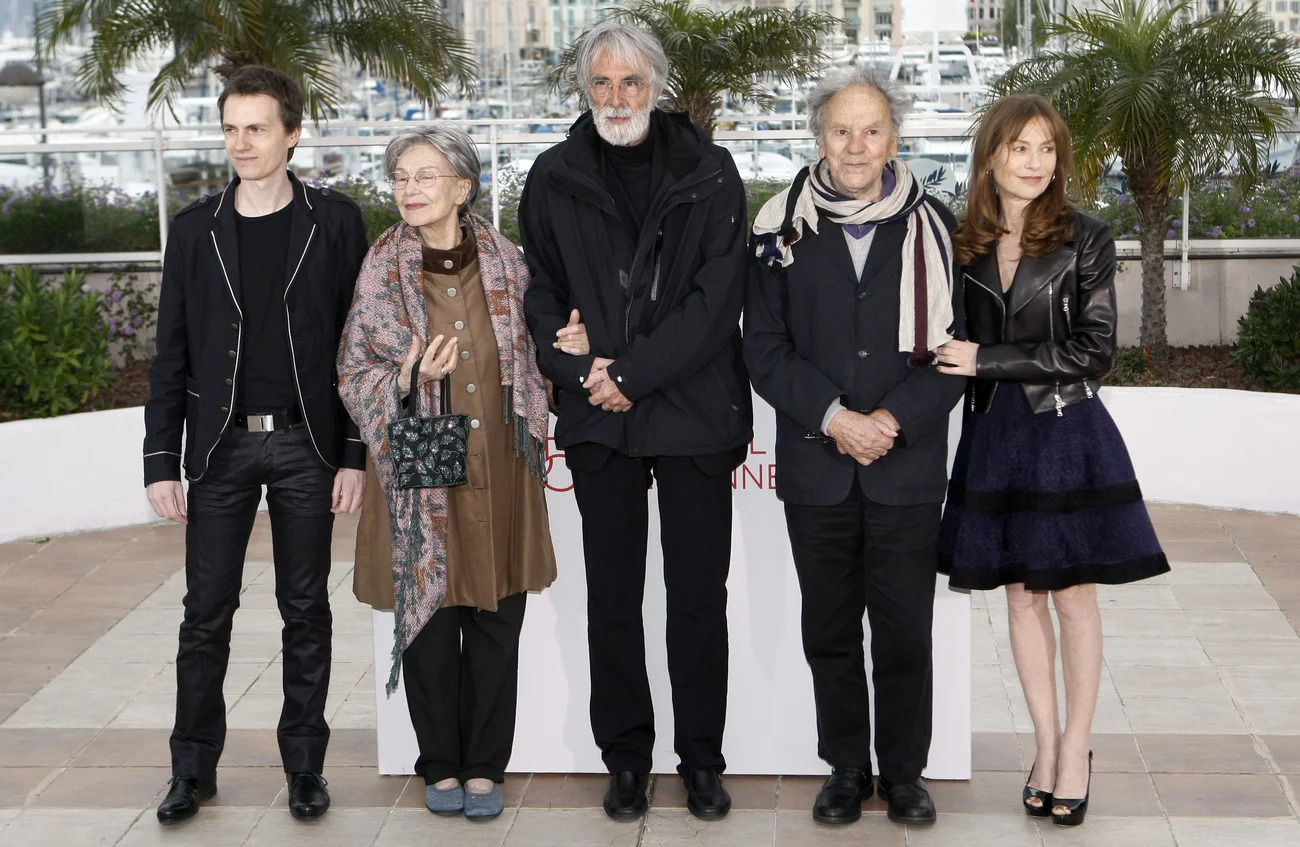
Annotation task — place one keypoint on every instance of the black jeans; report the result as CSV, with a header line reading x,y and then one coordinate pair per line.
x,y
222,506
861,556
695,516
462,684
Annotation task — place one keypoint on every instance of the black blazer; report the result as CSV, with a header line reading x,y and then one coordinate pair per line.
x,y
815,332
201,334
1057,336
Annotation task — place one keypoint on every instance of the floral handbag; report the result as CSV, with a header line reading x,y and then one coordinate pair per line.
x,y
430,452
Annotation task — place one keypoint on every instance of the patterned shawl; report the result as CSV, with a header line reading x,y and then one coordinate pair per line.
x,y
925,292
388,310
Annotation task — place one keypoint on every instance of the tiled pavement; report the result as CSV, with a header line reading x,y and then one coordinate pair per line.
x,y
1197,732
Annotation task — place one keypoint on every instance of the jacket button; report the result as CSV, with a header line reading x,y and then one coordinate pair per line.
x,y
325,192
694,195
471,388
203,199
235,327
459,324
464,354
230,382
862,295
448,264
225,409
474,424
862,354
451,292
230,353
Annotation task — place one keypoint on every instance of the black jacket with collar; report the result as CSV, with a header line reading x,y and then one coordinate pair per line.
x,y
193,378
816,332
1057,336
674,334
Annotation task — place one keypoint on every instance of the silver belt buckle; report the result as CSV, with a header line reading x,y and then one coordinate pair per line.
x,y
261,423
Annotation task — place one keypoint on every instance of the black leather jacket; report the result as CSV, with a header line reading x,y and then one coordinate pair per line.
x,y
1056,336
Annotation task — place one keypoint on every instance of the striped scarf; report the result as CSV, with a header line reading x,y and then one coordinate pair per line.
x,y
925,292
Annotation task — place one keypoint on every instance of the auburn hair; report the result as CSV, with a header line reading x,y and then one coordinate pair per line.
x,y
1049,218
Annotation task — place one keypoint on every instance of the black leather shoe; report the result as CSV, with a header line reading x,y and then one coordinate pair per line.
x,y
842,795
908,803
705,796
308,798
625,800
183,798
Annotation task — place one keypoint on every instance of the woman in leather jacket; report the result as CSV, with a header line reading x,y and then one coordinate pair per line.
x,y
1043,497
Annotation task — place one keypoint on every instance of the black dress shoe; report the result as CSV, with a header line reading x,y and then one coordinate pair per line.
x,y
625,800
908,802
705,796
308,798
183,798
842,795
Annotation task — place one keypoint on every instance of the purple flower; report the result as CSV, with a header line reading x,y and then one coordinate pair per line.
x,y
1171,234
128,331
1137,227
1245,210
1217,232
1250,224
117,296
1296,218
137,322
1178,223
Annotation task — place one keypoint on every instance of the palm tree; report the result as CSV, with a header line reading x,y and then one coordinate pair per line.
x,y
1175,99
711,54
407,41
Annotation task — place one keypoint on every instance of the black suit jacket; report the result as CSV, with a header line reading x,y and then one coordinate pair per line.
x,y
815,332
193,378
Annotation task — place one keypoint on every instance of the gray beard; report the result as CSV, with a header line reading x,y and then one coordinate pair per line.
x,y
627,134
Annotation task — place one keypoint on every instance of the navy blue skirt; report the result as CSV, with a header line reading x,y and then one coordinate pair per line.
x,y
1044,500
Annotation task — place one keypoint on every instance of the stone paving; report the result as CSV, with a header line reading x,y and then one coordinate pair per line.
x,y
1197,731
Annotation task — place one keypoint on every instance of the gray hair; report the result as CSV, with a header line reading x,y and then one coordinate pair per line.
x,y
449,140
630,45
838,79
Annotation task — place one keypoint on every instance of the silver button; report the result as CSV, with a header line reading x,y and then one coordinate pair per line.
x,y
471,388
474,424
459,324
464,354
619,378
451,292
449,264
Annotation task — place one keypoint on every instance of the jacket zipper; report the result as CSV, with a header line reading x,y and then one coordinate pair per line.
x,y
288,324
1069,328
239,351
1051,329
1002,308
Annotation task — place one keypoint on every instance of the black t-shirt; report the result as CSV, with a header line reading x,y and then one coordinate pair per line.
x,y
629,176
266,383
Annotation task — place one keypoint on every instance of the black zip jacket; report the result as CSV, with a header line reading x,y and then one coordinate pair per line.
x,y
201,340
1057,336
673,332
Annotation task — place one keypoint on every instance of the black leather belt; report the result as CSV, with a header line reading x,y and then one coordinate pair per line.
x,y
267,423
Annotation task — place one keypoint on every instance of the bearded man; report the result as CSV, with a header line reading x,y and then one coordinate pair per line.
x,y
634,230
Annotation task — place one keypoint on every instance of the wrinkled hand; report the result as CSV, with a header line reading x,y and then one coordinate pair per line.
x,y
958,357
572,339
604,391
435,363
168,500
349,485
864,437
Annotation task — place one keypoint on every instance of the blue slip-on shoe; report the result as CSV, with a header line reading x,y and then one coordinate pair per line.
x,y
445,801
484,806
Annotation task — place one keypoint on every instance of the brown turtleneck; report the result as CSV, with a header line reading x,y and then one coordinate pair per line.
x,y
498,534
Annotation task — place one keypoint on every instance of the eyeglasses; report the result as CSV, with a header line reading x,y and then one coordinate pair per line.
x,y
424,179
630,87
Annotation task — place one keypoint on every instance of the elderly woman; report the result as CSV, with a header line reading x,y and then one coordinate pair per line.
x,y
852,292
1043,497
454,564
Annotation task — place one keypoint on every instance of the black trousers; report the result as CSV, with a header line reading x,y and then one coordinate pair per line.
x,y
861,556
462,684
222,507
695,516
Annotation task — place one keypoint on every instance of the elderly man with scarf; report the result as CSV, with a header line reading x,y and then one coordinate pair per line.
x,y
851,293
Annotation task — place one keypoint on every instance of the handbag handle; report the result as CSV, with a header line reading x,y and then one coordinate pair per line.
x,y
444,393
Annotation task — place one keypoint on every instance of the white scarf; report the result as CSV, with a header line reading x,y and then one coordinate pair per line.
x,y
925,290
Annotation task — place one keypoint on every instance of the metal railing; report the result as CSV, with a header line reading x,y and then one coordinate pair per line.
x,y
496,133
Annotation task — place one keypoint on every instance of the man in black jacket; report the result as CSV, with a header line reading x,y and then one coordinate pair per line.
x,y
637,223
840,326
257,282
